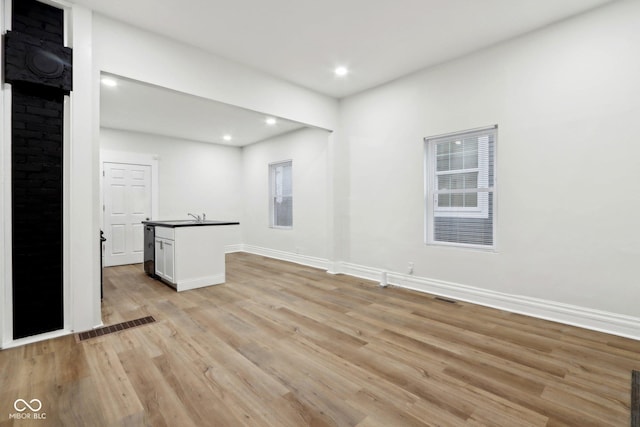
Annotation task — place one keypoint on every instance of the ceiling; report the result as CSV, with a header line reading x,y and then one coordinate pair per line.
x,y
141,107
302,41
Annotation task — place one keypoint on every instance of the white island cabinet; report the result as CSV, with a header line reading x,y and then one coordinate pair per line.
x,y
165,254
190,255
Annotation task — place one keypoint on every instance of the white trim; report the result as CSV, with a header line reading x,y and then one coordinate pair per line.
x,y
230,249
279,227
6,306
67,151
5,25
310,261
60,4
597,320
185,285
461,134
582,317
37,338
334,267
43,337
67,299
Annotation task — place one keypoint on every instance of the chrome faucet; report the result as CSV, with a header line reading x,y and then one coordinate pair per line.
x,y
196,217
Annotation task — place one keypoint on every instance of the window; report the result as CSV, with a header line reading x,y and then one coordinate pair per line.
x,y
281,195
459,171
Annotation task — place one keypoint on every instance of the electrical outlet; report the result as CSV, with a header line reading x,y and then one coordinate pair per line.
x,y
410,269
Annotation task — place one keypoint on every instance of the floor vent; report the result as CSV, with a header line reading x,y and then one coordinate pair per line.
x,y
447,300
106,330
635,398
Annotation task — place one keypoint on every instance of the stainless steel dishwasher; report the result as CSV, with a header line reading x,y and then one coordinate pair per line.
x,y
150,250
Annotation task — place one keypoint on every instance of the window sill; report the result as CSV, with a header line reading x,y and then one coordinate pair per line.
x,y
481,248
280,227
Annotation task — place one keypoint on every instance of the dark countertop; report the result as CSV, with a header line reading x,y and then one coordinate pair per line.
x,y
188,223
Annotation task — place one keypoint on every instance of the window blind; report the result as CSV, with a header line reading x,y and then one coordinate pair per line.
x,y
460,172
281,200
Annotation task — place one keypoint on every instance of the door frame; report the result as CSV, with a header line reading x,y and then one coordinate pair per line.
x,y
126,157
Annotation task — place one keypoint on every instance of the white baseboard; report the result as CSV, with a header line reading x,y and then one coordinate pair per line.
x,y
229,249
35,338
199,282
597,320
310,261
602,321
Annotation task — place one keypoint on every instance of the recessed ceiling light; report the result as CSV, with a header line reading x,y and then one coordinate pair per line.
x,y
270,121
341,71
227,137
108,81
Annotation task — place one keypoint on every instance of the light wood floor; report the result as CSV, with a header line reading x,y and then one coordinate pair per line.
x,y
285,345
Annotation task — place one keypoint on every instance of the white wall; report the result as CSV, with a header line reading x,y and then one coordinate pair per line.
x,y
82,183
307,148
193,176
130,52
567,101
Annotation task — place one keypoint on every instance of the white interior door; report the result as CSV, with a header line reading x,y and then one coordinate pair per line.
x,y
127,202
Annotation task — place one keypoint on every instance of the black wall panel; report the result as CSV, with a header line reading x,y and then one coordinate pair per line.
x,y
36,162
39,20
37,166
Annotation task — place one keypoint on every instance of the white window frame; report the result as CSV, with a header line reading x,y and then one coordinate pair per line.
x,y
483,189
273,193
482,208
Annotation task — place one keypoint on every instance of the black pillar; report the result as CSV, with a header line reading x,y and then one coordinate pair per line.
x,y
38,67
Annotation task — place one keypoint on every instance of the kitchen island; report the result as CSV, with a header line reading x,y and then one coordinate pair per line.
x,y
186,254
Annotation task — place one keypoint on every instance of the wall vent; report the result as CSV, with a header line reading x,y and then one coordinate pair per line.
x,y
447,300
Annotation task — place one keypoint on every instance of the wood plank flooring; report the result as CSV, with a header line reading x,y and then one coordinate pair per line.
x,y
286,345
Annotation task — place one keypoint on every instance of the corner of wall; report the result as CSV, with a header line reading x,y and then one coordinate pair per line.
x,y
83,186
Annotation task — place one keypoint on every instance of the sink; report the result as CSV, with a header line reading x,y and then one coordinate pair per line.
x,y
181,221
189,222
